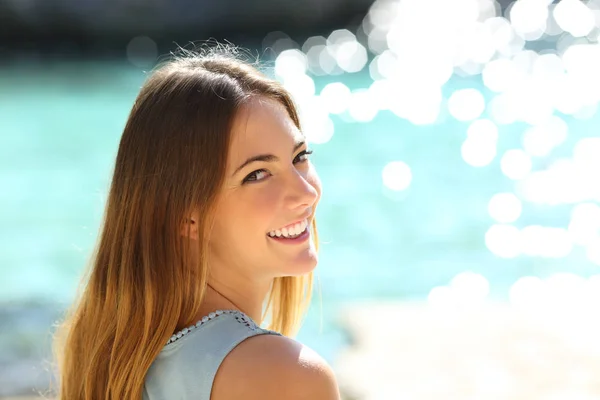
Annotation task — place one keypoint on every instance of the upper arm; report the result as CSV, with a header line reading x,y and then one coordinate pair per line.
x,y
269,367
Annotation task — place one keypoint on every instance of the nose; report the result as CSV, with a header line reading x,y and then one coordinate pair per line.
x,y
304,189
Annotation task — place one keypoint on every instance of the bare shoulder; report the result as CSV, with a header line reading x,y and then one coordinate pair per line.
x,y
274,367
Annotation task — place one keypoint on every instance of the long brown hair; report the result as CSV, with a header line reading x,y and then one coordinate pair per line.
x,y
142,284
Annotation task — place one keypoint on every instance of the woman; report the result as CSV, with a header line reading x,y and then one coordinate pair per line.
x,y
210,215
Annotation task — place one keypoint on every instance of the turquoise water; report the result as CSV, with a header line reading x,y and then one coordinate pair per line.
x,y
60,126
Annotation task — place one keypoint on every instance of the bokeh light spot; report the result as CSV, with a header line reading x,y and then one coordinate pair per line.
x,y
397,175
466,104
505,207
503,240
142,51
515,164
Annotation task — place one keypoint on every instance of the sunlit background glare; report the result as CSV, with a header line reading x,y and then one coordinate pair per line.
x,y
458,146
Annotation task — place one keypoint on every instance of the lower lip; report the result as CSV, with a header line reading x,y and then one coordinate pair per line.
x,y
303,237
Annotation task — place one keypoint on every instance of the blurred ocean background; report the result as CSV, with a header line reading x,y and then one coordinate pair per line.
x,y
452,176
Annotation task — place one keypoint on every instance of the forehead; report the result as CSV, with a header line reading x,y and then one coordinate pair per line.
x,y
261,126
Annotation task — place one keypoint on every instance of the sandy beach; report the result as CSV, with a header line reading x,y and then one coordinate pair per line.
x,y
492,351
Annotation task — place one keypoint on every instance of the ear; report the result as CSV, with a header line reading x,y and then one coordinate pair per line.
x,y
190,223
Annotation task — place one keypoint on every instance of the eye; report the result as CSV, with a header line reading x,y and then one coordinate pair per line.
x,y
302,156
256,176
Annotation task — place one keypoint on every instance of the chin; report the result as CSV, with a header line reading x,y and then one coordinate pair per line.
x,y
302,265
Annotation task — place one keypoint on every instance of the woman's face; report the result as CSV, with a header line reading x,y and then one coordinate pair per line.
x,y
270,194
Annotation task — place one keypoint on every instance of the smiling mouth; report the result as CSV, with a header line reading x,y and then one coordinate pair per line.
x,y
290,232
289,236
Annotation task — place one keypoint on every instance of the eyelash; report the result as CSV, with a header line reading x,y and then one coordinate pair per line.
x,y
305,153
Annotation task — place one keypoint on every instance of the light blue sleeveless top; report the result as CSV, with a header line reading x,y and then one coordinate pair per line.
x,y
186,367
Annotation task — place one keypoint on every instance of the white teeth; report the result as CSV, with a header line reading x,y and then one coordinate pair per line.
x,y
293,231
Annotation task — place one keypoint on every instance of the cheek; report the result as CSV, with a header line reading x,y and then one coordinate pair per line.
x,y
264,205
250,216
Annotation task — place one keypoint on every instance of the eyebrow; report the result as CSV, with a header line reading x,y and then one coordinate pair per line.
x,y
266,157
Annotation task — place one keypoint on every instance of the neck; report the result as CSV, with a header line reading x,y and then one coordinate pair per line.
x,y
247,297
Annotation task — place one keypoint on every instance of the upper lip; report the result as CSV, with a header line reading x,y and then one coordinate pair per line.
x,y
293,223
